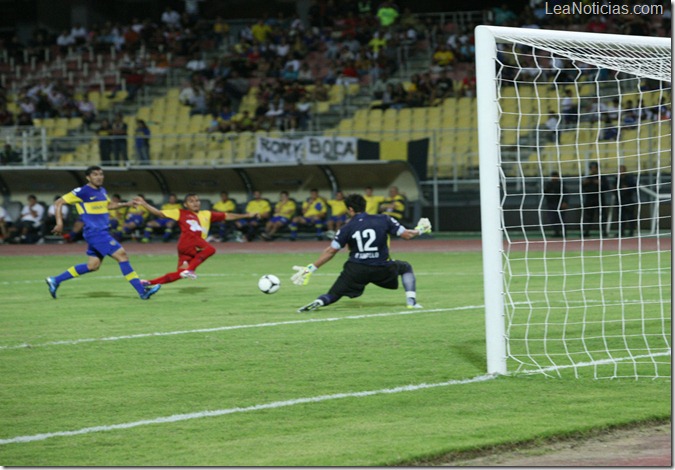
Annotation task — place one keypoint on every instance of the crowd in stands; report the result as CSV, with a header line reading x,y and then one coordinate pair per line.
x,y
290,63
319,216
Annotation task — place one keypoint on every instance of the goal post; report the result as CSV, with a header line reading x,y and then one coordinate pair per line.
x,y
575,161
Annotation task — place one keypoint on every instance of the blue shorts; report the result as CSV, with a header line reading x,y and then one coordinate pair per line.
x,y
136,219
278,218
101,244
339,218
162,222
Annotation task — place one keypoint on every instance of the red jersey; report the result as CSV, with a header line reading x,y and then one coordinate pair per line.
x,y
194,227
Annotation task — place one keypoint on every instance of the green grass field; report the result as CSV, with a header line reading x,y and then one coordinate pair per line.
x,y
213,373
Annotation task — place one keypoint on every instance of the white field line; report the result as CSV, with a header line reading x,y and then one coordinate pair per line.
x,y
265,406
235,327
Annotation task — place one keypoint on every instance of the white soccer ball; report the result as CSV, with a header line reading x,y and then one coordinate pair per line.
x,y
269,284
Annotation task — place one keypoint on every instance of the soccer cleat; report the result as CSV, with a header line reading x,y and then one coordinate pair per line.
x,y
150,291
415,305
187,274
52,286
145,283
311,306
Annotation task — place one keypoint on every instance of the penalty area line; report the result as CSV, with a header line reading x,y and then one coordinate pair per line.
x,y
227,411
235,327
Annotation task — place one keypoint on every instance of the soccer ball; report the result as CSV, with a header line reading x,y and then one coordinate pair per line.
x,y
269,284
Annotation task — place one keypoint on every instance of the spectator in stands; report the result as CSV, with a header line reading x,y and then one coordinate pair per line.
x,y
387,13
551,128
29,226
556,204
104,134
5,224
372,201
442,88
321,92
305,75
135,220
314,211
626,200
50,218
284,211
568,108
65,41
503,15
595,188
610,131
394,204
87,111
115,221
249,227
79,33
171,18
442,59
338,214
221,31
9,156
220,231
468,85
118,133
6,117
196,64
142,141
165,224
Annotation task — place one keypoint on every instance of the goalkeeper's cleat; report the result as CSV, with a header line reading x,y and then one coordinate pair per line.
x,y
51,282
150,291
187,274
311,306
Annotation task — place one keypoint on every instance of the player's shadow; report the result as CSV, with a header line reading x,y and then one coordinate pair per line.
x,y
104,295
192,290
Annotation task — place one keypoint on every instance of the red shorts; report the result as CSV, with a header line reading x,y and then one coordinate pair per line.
x,y
188,250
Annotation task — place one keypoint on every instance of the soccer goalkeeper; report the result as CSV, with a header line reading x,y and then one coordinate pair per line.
x,y
367,236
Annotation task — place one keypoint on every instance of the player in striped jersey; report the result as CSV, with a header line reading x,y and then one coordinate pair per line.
x,y
92,204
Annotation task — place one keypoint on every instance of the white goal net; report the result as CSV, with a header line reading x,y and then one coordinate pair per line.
x,y
575,173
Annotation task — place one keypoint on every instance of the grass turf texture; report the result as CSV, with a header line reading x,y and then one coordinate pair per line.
x,y
50,388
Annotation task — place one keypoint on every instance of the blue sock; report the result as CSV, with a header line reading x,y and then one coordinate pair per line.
x,y
72,272
131,276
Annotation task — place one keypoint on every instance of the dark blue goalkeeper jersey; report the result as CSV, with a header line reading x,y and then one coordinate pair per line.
x,y
367,236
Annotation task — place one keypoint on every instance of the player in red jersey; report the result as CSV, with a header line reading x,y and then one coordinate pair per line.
x,y
193,249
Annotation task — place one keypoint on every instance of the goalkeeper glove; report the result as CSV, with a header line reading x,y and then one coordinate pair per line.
x,y
423,226
301,278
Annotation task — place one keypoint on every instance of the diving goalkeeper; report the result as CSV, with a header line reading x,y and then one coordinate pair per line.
x,y
367,236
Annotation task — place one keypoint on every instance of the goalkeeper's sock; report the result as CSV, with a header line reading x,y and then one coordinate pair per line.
x,y
72,272
409,282
327,299
131,276
410,298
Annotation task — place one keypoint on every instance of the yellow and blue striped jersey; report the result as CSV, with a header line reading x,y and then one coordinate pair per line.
x,y
92,206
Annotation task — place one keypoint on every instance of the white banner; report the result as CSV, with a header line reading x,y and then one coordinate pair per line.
x,y
310,149
330,149
269,149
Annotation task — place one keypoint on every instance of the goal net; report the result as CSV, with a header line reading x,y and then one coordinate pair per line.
x,y
575,174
